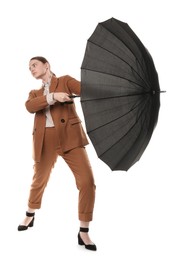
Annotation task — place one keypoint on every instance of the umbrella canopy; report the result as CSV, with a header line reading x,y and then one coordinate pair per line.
x,y
120,94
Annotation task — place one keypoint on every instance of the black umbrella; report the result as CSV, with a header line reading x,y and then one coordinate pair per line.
x,y
120,94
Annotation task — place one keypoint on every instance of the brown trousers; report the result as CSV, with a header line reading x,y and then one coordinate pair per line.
x,y
79,164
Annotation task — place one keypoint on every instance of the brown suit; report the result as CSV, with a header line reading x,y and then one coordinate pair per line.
x,y
66,139
66,121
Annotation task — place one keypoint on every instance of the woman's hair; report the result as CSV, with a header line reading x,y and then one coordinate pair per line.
x,y
40,58
43,60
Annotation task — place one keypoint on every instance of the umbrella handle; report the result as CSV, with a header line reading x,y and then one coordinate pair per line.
x,y
73,96
70,102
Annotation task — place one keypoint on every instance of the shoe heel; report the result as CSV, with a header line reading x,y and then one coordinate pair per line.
x,y
80,241
31,224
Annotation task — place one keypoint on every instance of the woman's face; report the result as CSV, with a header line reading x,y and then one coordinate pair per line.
x,y
38,69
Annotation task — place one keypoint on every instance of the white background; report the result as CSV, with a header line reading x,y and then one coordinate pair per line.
x,y
135,215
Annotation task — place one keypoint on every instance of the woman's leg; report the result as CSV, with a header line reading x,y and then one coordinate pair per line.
x,y
42,172
78,161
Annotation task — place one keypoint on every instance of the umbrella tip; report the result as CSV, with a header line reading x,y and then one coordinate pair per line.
x,y
154,91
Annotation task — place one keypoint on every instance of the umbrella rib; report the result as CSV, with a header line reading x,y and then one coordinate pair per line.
x,y
121,59
138,135
127,44
134,107
110,74
124,134
120,96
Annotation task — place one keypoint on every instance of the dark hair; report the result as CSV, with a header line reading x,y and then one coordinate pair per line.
x,y
40,58
43,60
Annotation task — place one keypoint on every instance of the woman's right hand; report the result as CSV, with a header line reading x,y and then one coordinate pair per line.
x,y
61,97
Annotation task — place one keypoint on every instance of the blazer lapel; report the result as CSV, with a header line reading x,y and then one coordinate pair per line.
x,y
54,83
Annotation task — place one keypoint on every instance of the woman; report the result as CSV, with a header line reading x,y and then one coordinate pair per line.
x,y
58,132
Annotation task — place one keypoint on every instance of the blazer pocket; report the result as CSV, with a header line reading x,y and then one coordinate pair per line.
x,y
74,121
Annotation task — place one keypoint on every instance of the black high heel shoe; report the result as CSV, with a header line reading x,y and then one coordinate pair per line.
x,y
23,227
81,242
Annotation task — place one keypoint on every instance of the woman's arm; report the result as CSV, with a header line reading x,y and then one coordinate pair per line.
x,y
73,85
35,103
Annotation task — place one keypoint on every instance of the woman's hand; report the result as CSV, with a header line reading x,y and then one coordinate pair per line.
x,y
61,97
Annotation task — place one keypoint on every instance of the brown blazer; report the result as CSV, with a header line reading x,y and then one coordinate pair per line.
x,y
65,118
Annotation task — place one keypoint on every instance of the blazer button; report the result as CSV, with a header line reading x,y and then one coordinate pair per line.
x,y
62,120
